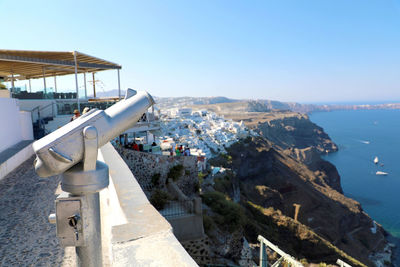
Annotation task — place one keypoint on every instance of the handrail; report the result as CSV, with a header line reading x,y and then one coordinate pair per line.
x,y
41,108
342,263
32,110
52,108
284,256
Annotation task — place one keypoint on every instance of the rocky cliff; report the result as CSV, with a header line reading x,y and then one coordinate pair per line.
x,y
271,181
295,130
286,129
281,169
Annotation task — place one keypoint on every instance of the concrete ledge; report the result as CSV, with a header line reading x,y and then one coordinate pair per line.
x,y
139,235
14,156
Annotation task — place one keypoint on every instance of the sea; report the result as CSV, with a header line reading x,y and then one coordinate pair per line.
x,y
362,135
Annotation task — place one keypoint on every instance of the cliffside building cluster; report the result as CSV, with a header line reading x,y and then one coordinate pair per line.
x,y
203,130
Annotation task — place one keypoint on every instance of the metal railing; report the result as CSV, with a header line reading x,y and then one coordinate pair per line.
x,y
40,121
284,257
177,208
47,106
67,107
342,263
39,109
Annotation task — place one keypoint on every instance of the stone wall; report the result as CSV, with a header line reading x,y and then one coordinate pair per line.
x,y
144,165
133,232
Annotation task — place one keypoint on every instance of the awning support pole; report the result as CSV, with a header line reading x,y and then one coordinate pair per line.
x,y
76,82
119,86
84,80
55,84
30,86
94,86
12,82
44,81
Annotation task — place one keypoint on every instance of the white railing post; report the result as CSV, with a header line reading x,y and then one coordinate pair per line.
x,y
263,255
264,243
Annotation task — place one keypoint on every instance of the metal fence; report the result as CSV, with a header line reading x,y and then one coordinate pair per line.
x,y
177,208
284,257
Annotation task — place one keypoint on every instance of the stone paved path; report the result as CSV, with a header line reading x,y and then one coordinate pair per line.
x,y
26,236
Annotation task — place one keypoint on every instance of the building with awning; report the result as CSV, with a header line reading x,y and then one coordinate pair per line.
x,y
27,65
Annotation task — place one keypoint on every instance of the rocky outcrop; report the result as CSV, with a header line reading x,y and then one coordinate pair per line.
x,y
271,178
325,172
295,130
272,182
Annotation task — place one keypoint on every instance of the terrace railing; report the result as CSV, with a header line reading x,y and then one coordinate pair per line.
x,y
177,208
284,257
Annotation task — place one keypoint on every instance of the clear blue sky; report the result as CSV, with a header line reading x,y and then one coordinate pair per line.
x,y
311,50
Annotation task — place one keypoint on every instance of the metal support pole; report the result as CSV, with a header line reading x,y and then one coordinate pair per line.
x,y
119,86
44,82
55,83
76,82
12,82
84,81
30,86
263,255
91,254
84,181
94,85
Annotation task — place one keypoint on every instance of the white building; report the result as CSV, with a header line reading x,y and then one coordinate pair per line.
x,y
185,112
202,130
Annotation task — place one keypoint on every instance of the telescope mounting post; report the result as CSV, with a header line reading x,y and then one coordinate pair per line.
x,y
78,214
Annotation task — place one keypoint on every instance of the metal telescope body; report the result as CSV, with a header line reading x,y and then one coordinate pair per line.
x,y
72,152
63,148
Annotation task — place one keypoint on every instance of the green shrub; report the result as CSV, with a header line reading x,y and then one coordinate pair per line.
x,y
158,199
230,215
175,172
197,187
155,179
201,176
223,160
223,184
207,223
187,172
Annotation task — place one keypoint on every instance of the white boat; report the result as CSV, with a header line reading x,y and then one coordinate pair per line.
x,y
376,160
381,173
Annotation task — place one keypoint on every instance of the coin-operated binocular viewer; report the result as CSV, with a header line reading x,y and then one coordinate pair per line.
x,y
72,152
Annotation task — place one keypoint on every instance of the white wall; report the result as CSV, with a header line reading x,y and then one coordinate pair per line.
x,y
10,132
25,121
15,125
